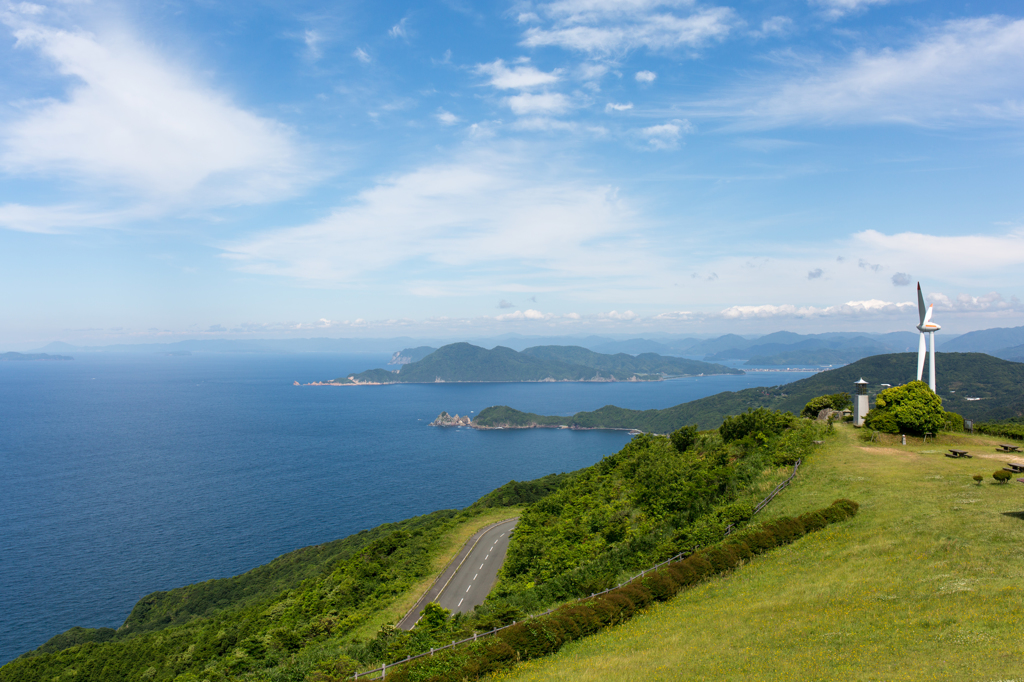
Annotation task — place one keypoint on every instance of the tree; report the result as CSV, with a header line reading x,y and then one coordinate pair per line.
x,y
911,408
684,438
753,422
435,617
835,401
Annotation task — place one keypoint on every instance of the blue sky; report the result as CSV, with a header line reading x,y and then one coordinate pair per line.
x,y
225,169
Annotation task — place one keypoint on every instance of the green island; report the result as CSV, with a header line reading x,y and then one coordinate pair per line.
x,y
974,385
27,357
466,362
881,560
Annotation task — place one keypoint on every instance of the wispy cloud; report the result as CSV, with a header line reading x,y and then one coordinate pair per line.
x,y
613,106
399,30
135,124
543,103
666,135
361,54
962,71
475,220
521,77
834,9
447,117
605,27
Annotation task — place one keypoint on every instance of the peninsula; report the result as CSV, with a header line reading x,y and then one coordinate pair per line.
x,y
464,362
27,357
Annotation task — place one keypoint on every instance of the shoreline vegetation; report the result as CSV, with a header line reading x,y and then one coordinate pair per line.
x,y
977,386
466,363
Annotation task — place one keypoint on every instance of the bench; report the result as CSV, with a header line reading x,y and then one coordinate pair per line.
x,y
1008,448
958,453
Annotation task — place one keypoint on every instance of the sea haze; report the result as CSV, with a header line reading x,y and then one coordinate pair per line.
x,y
125,474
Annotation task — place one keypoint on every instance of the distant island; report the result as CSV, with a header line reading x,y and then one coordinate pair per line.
x,y
25,357
464,362
974,385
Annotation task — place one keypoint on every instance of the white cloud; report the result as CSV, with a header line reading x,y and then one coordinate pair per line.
x,y
543,103
543,124
484,220
360,54
604,28
666,135
645,76
624,316
965,303
527,315
312,39
774,26
522,77
527,18
963,71
399,30
835,9
870,307
447,117
613,106
966,254
136,122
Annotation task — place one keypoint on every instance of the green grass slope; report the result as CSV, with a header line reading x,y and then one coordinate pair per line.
x,y
997,385
925,583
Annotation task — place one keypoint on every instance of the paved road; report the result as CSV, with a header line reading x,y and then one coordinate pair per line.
x,y
471,574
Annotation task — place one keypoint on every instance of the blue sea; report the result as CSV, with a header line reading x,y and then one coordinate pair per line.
x,y
123,474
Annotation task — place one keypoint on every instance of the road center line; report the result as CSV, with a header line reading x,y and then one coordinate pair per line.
x,y
487,557
469,588
481,567
460,602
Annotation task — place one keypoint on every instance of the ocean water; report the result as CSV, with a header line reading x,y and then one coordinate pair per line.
x,y
125,474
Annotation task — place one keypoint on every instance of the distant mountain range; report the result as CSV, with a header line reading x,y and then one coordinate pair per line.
x,y
975,385
466,362
777,349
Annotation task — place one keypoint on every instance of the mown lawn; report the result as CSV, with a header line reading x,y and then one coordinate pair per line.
x,y
926,583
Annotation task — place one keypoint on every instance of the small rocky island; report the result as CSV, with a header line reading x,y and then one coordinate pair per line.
x,y
445,419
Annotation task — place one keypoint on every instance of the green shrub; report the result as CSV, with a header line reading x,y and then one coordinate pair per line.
x,y
683,439
762,421
978,478
953,422
1002,476
836,401
915,409
881,420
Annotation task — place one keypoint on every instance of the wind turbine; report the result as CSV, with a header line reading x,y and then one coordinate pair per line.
x,y
926,327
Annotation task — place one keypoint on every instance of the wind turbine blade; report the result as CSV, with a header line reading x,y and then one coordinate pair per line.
x,y
920,305
922,348
928,315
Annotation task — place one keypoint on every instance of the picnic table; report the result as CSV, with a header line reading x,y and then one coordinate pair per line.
x,y
1006,447
1015,468
958,453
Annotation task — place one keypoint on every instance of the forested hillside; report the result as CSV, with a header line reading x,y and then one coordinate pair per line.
x,y
975,385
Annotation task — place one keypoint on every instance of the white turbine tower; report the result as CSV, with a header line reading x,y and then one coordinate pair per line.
x,y
926,327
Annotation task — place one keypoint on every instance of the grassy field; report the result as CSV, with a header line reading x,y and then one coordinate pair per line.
x,y
926,583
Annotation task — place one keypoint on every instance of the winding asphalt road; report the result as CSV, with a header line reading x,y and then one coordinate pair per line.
x,y
470,576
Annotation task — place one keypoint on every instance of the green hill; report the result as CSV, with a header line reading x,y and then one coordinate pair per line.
x,y
975,385
466,362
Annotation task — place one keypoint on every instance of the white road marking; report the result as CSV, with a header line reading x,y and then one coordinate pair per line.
x,y
469,588
474,577
502,535
487,557
460,602
492,548
481,567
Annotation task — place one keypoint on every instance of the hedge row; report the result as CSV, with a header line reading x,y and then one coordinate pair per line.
x,y
546,634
